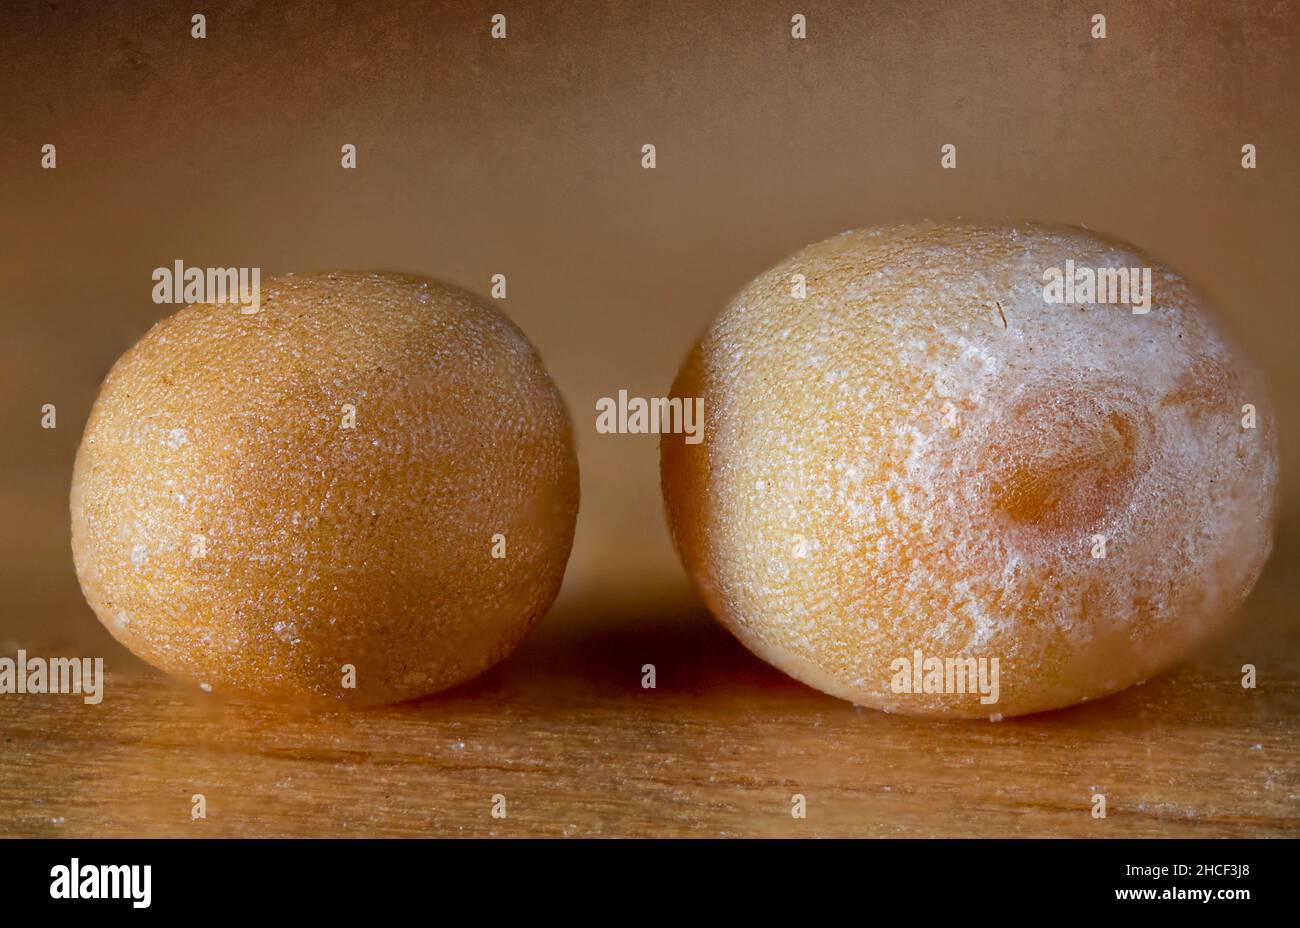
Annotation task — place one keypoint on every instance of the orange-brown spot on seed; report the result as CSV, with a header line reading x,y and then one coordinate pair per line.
x,y
1073,459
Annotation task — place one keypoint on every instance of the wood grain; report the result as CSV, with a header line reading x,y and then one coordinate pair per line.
x,y
567,734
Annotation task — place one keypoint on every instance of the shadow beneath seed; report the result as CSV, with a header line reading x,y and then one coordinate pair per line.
x,y
594,650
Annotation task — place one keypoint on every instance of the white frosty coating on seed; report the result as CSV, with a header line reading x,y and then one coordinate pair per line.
x,y
826,422
325,545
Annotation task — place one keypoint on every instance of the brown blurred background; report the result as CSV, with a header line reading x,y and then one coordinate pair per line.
x,y
522,157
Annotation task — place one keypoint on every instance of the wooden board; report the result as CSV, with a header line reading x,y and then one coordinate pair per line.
x,y
566,733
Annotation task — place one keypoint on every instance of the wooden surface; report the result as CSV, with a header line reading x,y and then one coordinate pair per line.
x,y
566,733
